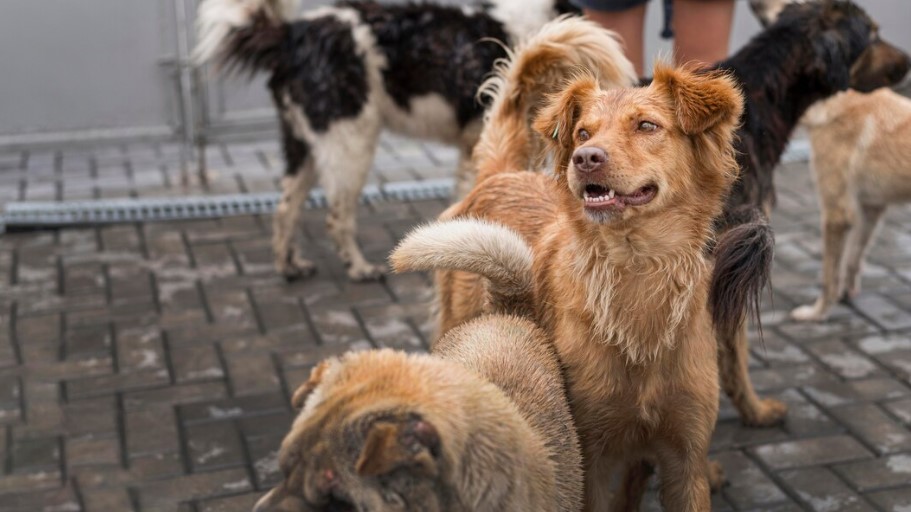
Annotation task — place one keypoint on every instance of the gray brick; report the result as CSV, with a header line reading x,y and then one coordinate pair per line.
x,y
877,474
808,452
822,491
875,428
748,486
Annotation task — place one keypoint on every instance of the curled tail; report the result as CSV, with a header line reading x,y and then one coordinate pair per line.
x,y
242,35
481,247
743,261
537,68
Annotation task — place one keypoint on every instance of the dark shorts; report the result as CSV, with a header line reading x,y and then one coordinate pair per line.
x,y
607,5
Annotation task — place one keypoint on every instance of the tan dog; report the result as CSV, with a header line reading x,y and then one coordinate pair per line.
x,y
617,272
862,163
481,426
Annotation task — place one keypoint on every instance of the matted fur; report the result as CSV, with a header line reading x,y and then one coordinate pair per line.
x,y
624,297
861,160
538,67
481,425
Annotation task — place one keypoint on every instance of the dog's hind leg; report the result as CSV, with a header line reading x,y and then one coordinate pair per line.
x,y
733,362
344,157
858,244
299,178
839,216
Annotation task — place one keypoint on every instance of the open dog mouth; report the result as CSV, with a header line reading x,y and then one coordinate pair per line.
x,y
599,197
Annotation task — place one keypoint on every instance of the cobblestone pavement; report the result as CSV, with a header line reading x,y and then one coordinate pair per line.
x,y
148,367
154,170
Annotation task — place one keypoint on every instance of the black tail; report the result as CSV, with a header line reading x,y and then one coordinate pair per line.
x,y
743,262
243,36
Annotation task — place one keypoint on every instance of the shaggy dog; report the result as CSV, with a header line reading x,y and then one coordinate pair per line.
x,y
339,75
861,160
608,256
812,51
482,425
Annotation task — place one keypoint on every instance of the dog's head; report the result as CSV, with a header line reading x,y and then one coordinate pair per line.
x,y
846,41
629,153
356,445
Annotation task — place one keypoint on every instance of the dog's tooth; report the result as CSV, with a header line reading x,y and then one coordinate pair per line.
x,y
610,194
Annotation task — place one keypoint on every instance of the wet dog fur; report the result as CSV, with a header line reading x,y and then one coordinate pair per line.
x,y
482,425
618,274
861,159
810,51
339,75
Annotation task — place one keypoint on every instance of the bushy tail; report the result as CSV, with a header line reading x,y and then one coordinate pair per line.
x,y
481,247
537,68
242,35
743,261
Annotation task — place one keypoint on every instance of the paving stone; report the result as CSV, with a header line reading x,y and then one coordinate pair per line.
x,y
213,446
895,500
900,409
822,491
808,452
748,486
93,451
875,428
843,360
163,495
160,357
879,473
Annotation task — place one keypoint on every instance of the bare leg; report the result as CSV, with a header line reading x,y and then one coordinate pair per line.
x,y
857,247
702,30
733,359
629,25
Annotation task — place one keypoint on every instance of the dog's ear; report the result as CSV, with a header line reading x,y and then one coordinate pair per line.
x,y
392,444
316,377
557,119
701,100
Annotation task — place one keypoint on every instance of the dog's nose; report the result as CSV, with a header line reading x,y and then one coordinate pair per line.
x,y
589,159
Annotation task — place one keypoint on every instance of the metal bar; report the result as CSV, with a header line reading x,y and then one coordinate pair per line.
x,y
106,211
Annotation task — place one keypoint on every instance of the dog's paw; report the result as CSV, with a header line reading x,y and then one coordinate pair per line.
x,y
808,313
366,272
768,413
717,479
294,269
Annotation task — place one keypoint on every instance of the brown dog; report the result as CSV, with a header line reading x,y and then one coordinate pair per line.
x,y
483,425
614,268
862,163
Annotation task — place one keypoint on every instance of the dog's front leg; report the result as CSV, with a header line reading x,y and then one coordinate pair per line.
x,y
733,362
684,477
635,482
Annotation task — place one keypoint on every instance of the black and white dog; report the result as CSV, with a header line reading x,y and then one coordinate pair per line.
x,y
341,74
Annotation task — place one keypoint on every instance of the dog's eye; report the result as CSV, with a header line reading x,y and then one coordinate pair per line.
x,y
647,126
583,134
